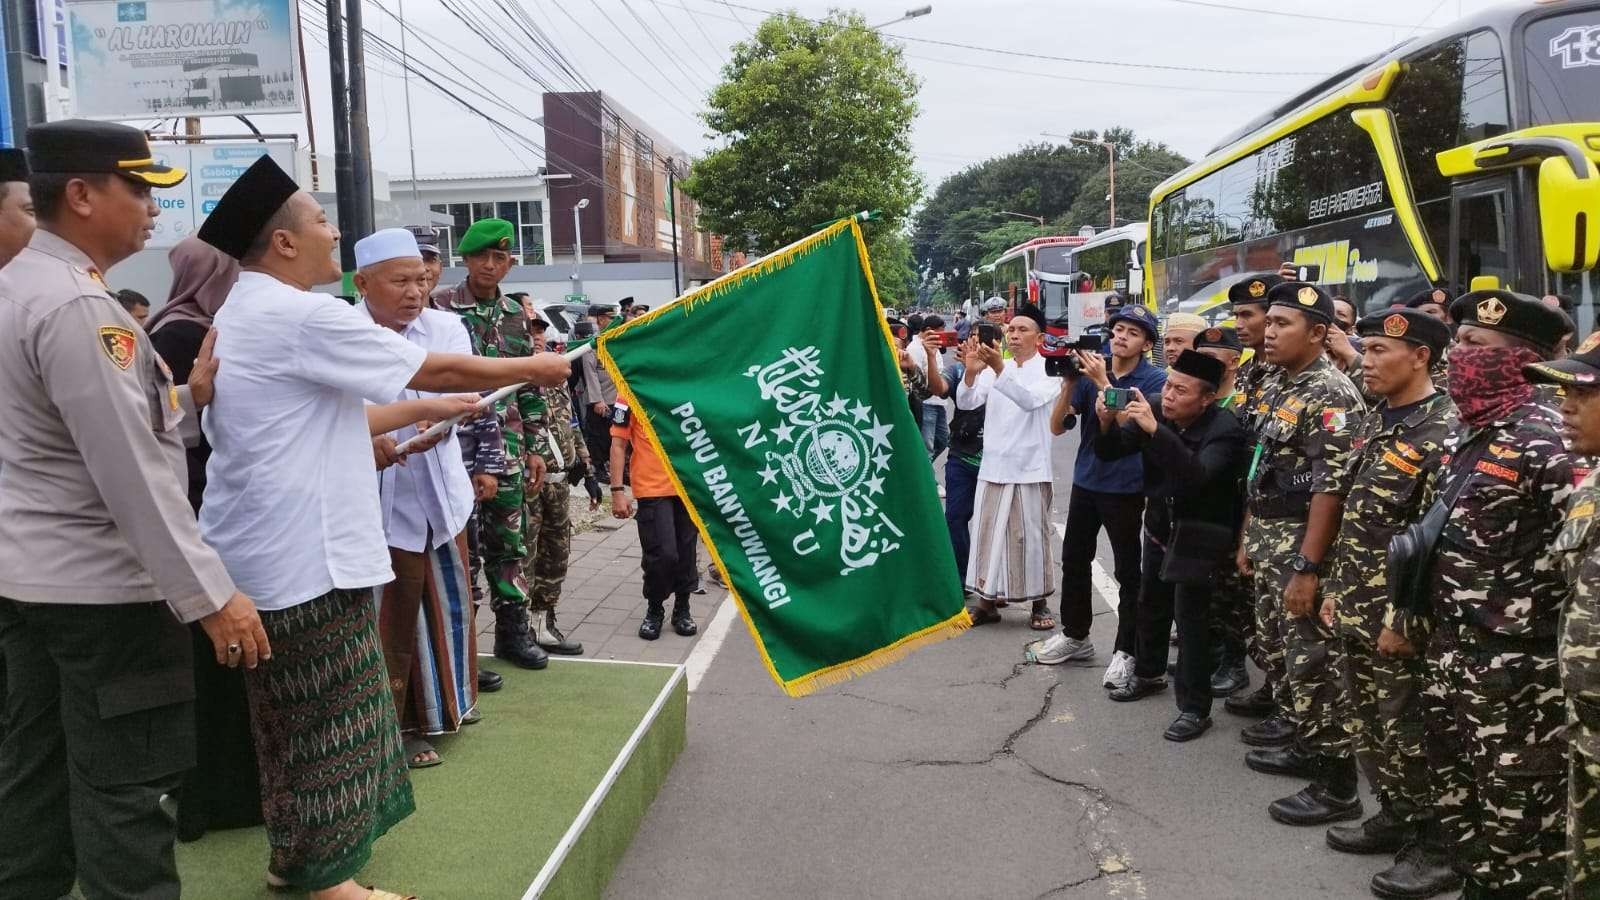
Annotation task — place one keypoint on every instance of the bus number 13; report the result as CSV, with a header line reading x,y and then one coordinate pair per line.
x,y
1577,46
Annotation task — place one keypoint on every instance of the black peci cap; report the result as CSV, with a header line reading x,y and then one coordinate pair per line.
x,y
1030,311
1515,314
1224,338
1198,365
1410,325
82,147
13,164
247,207
1308,298
1254,289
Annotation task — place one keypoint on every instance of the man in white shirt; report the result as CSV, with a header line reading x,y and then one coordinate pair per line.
x,y
1012,506
425,613
292,507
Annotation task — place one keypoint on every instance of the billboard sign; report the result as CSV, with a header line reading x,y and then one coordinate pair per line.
x,y
213,168
138,59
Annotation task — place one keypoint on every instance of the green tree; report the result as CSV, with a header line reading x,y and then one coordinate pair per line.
x,y
813,122
892,269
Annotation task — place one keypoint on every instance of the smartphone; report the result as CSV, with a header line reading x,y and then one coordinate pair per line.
x,y
948,339
1118,398
1310,274
988,333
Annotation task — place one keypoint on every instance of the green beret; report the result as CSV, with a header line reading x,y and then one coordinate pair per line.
x,y
486,234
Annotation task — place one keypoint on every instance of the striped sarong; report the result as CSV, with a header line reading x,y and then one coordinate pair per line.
x,y
429,644
333,776
1011,557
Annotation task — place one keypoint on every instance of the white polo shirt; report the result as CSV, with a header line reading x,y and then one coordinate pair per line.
x,y
291,501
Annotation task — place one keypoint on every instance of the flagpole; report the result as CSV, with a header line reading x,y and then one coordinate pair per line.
x,y
486,403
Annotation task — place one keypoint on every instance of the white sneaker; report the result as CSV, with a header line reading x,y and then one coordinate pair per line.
x,y
1120,670
1059,648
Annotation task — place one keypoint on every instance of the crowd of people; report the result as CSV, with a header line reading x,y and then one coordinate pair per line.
x,y
1391,515
241,566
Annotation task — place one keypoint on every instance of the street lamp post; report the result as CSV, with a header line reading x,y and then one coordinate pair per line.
x,y
1111,153
1039,219
577,248
917,13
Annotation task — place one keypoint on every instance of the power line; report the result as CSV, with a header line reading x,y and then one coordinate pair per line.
x,y
683,41
718,50
1257,11
666,51
636,48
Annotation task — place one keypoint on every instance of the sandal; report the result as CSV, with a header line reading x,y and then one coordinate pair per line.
x,y
415,747
981,616
1042,620
387,895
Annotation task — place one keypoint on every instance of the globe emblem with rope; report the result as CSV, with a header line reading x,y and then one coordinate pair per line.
x,y
830,460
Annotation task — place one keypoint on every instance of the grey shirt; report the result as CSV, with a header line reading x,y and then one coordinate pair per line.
x,y
92,469
597,384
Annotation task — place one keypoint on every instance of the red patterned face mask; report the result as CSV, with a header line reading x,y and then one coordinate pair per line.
x,y
1486,383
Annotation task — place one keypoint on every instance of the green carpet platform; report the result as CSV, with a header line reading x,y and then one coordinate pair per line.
x,y
540,800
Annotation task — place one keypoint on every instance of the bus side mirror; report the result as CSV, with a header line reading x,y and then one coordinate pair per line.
x,y
1569,214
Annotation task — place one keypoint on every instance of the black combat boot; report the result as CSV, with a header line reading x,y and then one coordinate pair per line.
x,y
1230,678
1256,704
1421,870
489,682
650,628
1395,826
1330,797
513,639
682,620
1292,760
549,637
1273,731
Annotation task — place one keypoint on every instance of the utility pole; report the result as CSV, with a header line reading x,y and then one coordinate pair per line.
x,y
360,140
672,210
343,170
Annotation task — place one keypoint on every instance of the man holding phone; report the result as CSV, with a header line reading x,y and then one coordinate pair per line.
x,y
924,351
1105,494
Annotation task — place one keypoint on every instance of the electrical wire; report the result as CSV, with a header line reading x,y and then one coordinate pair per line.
x,y
1257,11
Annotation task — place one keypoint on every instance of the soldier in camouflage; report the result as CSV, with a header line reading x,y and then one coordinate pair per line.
x,y
499,327
1496,592
1397,449
1296,493
483,452
1579,546
549,509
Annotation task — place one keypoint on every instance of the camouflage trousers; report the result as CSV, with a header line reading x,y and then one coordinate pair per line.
x,y
500,538
1381,701
1264,541
1233,606
1503,799
548,525
1583,797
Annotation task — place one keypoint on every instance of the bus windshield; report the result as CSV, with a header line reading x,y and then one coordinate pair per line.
x,y
1563,64
1057,260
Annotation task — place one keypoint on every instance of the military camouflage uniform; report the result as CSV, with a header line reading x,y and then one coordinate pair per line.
x,y
1304,449
483,452
549,509
1579,544
1255,375
1496,727
499,327
1392,472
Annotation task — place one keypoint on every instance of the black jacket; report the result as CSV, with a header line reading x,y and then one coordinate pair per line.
x,y
1194,473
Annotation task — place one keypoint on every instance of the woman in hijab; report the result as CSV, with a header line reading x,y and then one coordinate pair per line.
x,y
222,790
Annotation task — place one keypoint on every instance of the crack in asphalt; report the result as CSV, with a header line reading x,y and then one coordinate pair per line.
x,y
875,701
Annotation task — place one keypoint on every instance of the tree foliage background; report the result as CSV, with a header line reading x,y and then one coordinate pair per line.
x,y
812,122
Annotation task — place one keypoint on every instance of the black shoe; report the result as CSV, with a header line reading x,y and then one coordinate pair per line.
x,y
1290,760
683,622
513,639
1137,687
1273,731
1229,679
1420,870
650,628
1331,797
1386,832
1256,704
1186,727
489,682
550,638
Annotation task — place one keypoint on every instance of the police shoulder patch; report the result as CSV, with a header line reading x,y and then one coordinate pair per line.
x,y
119,345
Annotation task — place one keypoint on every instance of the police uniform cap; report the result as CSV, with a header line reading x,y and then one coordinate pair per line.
x,y
247,206
1137,314
81,147
1253,289
427,239
1581,369
993,303
1518,315
640,308
1436,295
1225,338
1410,325
486,234
1198,365
600,309
1308,298
13,164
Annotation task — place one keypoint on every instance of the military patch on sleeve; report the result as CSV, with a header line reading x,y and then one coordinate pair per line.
x,y
1333,419
1497,470
1394,459
1579,473
1408,451
1500,451
1582,511
119,345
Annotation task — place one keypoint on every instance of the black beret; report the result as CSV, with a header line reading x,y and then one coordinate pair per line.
x,y
1431,295
1225,338
599,309
1410,325
1254,289
1308,298
247,207
13,164
1198,365
1515,314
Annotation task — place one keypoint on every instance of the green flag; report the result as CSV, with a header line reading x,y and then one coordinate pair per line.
x,y
775,397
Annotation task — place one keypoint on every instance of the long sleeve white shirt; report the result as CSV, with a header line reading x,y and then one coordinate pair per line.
x,y
1016,424
431,493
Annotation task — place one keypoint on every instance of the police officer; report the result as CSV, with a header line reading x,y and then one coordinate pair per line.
x,y
1296,494
100,556
1579,544
549,509
1396,452
1497,753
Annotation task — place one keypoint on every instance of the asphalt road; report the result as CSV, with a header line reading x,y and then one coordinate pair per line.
x,y
964,772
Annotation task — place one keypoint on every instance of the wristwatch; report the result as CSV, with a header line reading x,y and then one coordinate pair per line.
x,y
617,488
1303,566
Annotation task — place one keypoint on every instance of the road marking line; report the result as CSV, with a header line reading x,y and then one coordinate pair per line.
x,y
1104,585
699,661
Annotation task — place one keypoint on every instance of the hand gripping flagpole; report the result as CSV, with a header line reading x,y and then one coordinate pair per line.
x,y
486,403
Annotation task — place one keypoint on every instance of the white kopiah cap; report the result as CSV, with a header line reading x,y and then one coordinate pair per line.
x,y
384,245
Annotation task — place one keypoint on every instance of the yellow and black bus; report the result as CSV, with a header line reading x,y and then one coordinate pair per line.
x,y
1452,159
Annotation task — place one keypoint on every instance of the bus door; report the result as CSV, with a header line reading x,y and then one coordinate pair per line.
x,y
1482,232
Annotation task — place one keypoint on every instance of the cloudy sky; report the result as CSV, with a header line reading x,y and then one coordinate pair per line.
x,y
1142,64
